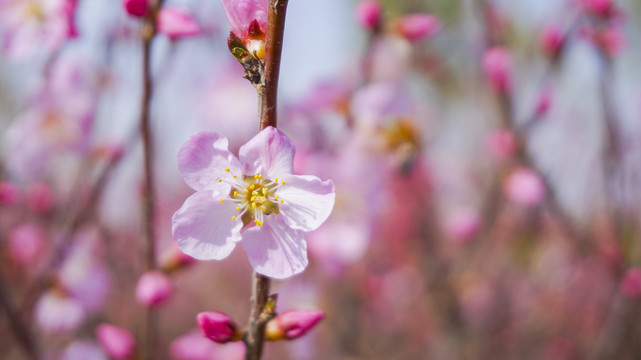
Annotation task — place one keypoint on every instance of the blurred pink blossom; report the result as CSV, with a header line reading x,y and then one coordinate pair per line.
x,y
31,26
497,65
153,289
218,327
462,224
415,27
256,199
525,187
292,324
551,40
544,102
194,346
501,144
177,23
83,349
631,283
137,8
601,8
174,259
117,342
39,197
56,313
26,243
9,193
369,14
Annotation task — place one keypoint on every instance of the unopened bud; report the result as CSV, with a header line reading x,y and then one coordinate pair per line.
x,y
552,40
137,8
415,27
525,187
174,259
26,243
218,327
117,342
176,23
497,68
369,15
631,283
154,288
9,193
292,324
39,197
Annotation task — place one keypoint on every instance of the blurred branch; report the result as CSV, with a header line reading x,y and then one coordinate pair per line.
x,y
18,327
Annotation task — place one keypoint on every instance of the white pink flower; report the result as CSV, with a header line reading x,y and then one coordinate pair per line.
x,y
254,198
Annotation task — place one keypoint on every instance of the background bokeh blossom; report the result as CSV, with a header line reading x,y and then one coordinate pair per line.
x,y
485,157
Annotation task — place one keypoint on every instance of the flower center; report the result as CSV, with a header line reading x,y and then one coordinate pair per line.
x,y
33,10
255,197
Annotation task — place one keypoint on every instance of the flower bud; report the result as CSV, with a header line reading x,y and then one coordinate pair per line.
x,y
117,342
501,144
525,187
176,23
543,103
415,27
600,8
292,324
174,259
154,288
369,15
137,8
25,243
39,197
497,68
9,193
218,327
631,283
552,40
462,224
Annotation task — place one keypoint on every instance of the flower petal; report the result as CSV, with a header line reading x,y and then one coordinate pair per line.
x,y
241,13
202,160
269,153
203,226
307,201
275,249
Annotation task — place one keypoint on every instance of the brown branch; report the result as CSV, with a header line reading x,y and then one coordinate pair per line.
x,y
267,103
18,327
268,91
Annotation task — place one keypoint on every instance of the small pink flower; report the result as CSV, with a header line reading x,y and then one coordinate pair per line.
x,y
255,198
9,193
137,8
117,342
241,14
218,327
631,283
552,40
193,346
39,197
497,65
57,313
369,14
462,224
25,243
601,8
177,23
501,144
292,324
525,187
415,27
154,288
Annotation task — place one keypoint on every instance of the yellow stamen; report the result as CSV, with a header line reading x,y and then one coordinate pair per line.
x,y
234,176
220,180
238,208
281,201
233,218
222,201
282,182
227,169
276,179
276,197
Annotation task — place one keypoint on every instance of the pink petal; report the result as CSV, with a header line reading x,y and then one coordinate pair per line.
x,y
308,201
275,249
203,227
269,153
241,13
417,26
202,160
177,23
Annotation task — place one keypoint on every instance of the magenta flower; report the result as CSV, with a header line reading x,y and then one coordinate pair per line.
x,y
119,343
154,288
248,19
254,198
218,327
292,324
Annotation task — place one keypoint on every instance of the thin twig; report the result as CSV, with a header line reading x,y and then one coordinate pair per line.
x,y
267,103
18,327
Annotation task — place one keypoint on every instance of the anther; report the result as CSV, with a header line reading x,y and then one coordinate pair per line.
x,y
222,201
220,180
227,169
233,217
